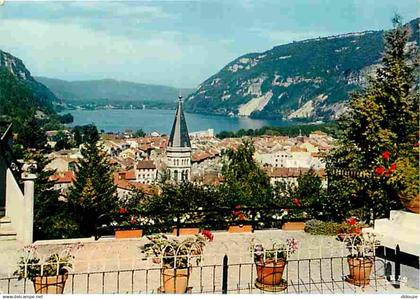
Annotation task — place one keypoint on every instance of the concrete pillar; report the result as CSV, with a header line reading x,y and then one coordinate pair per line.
x,y
28,213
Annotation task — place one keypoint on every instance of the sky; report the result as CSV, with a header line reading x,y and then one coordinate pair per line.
x,y
176,43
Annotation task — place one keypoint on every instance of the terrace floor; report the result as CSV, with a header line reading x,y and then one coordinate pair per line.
x,y
117,266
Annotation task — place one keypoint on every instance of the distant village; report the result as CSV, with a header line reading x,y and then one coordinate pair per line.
x,y
140,163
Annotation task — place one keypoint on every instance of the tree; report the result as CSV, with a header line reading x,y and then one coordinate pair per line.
x,y
32,135
245,183
63,141
51,217
94,192
139,133
382,118
66,118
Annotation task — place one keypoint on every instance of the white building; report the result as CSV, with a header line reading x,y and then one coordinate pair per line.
x,y
146,172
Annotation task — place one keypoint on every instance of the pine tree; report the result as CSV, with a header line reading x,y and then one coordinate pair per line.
x,y
51,217
94,192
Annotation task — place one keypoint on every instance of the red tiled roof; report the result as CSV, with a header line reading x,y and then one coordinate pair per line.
x,y
146,164
126,185
66,177
201,156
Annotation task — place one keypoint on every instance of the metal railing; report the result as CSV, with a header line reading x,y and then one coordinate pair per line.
x,y
213,219
323,275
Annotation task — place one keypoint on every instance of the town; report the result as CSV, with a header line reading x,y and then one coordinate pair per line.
x,y
141,162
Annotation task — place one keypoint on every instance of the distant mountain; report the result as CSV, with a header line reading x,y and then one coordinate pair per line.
x,y
43,98
111,91
307,79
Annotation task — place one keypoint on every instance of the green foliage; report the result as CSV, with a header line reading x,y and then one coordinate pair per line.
x,y
291,131
172,253
21,100
139,133
63,141
85,133
331,66
406,177
32,135
318,227
93,193
382,117
66,118
245,183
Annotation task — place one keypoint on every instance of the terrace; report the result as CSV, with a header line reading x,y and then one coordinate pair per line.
x,y
116,266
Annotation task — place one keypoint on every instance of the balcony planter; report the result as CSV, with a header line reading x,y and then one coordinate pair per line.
x,y
185,231
129,233
243,228
50,284
175,281
175,257
270,262
270,272
411,204
360,269
293,226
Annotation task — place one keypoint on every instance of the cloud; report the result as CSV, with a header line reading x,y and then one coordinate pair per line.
x,y
75,52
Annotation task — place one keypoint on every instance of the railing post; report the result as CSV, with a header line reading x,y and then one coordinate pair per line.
x,y
225,275
253,219
177,224
397,267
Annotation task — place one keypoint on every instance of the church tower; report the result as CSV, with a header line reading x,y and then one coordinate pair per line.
x,y
178,152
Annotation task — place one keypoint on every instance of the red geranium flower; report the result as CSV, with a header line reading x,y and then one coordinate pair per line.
x,y
386,155
296,201
379,170
132,220
393,167
122,211
352,220
388,172
207,234
357,230
236,211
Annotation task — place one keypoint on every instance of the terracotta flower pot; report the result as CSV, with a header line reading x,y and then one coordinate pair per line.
x,y
293,226
411,204
247,228
360,269
175,281
129,233
186,231
270,272
50,284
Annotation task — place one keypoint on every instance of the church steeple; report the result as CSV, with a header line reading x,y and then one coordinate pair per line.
x,y
178,152
179,135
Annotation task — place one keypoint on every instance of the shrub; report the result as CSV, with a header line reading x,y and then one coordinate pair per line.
x,y
318,227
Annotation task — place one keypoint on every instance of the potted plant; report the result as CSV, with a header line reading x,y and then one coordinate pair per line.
x,y
238,219
404,177
361,257
49,275
176,259
351,227
188,223
128,223
294,225
270,262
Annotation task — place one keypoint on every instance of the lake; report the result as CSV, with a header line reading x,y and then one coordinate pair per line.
x,y
116,120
